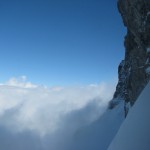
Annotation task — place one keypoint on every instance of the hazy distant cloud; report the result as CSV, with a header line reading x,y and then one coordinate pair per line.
x,y
29,109
20,82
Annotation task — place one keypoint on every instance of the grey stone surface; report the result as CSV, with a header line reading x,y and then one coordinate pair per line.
x,y
134,70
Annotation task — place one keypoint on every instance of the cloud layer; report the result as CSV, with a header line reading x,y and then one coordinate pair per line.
x,y
47,115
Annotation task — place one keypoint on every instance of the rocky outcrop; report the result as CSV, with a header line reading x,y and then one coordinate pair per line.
x,y
134,70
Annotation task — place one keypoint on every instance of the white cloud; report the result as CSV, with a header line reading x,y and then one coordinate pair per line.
x,y
49,111
20,82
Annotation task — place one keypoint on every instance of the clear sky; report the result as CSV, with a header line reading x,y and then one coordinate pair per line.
x,y
60,42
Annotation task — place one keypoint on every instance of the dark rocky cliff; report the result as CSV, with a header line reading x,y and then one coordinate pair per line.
x,y
134,70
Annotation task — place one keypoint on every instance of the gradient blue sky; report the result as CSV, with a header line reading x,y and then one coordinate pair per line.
x,y
60,42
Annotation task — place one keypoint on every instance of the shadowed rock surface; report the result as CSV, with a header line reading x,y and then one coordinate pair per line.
x,y
134,70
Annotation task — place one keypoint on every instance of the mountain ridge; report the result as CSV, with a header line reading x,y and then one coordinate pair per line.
x,y
134,133
134,69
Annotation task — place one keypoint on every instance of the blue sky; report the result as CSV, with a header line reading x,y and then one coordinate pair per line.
x,y
60,42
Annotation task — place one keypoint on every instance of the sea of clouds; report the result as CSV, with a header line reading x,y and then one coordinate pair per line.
x,y
34,117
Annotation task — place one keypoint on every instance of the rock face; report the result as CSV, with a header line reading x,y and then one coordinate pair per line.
x,y
134,70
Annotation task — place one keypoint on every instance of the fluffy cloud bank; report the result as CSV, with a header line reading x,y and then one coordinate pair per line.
x,y
47,115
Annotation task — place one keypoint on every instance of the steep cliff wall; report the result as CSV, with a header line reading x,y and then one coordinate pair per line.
x,y
134,70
